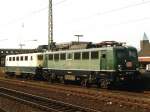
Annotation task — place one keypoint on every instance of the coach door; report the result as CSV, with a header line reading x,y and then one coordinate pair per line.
x,y
103,60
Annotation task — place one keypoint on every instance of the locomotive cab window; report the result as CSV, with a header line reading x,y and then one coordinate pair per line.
x,y
121,54
40,57
94,55
132,53
77,56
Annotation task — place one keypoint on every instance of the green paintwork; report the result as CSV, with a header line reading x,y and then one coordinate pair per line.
x,y
86,64
107,61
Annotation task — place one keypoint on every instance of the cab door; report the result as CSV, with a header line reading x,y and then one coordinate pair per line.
x,y
103,60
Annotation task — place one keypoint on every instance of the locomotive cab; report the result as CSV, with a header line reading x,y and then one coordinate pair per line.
x,y
127,63
126,59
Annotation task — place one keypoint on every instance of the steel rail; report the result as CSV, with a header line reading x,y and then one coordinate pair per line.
x,y
42,103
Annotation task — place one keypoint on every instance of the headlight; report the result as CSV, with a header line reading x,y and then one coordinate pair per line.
x,y
129,64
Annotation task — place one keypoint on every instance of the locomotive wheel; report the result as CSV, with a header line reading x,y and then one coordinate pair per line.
x,y
85,83
46,76
62,80
104,83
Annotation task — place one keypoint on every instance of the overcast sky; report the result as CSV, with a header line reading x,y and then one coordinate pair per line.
x,y
121,20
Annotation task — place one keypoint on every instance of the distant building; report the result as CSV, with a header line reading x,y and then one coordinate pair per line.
x,y
145,46
144,53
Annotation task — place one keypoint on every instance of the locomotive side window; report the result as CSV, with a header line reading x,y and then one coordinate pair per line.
x,y
63,56
56,57
94,55
13,58
40,57
69,56
85,55
77,56
26,58
21,58
50,56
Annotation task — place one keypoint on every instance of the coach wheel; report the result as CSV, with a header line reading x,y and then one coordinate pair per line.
x,y
49,79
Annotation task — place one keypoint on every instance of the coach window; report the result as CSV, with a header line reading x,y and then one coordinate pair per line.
x,y
77,56
94,55
63,56
50,56
17,58
13,58
85,55
9,58
31,58
56,57
21,58
69,56
26,58
40,57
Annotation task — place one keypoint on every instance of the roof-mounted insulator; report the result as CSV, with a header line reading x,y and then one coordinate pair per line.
x,y
110,43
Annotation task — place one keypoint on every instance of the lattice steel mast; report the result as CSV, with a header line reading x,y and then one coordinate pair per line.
x,y
50,27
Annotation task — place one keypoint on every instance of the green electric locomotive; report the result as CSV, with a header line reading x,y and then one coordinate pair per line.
x,y
106,64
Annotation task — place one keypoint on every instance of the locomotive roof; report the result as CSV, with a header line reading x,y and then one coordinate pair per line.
x,y
92,49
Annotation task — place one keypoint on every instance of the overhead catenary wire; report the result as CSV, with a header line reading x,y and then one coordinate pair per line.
x,y
32,13
111,11
80,19
130,21
122,8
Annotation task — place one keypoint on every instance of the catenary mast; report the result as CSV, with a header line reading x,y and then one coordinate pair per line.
x,y
50,27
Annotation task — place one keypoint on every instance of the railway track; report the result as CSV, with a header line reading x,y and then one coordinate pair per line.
x,y
42,103
124,99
